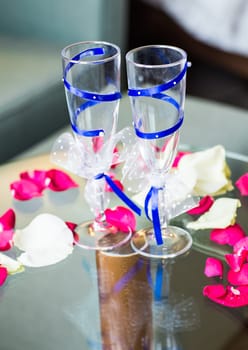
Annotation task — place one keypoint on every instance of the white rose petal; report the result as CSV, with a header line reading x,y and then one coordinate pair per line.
x,y
222,213
12,265
45,241
208,170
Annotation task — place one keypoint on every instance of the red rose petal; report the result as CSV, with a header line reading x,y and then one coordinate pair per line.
x,y
117,183
229,297
213,267
24,190
229,235
6,240
3,275
242,184
235,261
122,218
38,177
179,155
204,204
7,220
214,291
72,227
60,181
240,277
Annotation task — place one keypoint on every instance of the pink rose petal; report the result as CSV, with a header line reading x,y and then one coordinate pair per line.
x,y
72,226
213,267
240,277
241,245
235,261
115,160
122,218
7,220
97,143
242,184
3,275
60,181
179,155
24,190
204,204
38,177
117,183
229,297
229,235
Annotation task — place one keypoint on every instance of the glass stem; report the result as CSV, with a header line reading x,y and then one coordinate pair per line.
x,y
99,210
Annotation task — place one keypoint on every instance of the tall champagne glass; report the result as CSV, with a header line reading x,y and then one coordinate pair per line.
x,y
156,86
91,75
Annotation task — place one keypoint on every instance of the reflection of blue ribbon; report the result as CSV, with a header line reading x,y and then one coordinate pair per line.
x,y
119,193
123,281
152,196
93,98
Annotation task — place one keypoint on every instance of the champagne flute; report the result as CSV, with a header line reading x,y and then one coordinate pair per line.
x,y
156,86
91,76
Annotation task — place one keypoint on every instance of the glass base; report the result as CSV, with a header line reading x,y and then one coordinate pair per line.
x,y
94,236
176,241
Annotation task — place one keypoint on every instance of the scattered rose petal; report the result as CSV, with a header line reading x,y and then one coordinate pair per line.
x,y
12,265
178,157
72,226
205,204
240,277
242,184
7,220
213,267
221,215
38,177
24,190
45,241
214,291
3,275
117,183
235,261
60,181
7,224
209,170
229,296
229,235
122,218
241,245
6,240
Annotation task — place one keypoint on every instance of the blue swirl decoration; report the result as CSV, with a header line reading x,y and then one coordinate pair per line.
x,y
92,98
158,92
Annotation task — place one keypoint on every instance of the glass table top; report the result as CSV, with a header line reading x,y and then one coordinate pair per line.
x,y
103,301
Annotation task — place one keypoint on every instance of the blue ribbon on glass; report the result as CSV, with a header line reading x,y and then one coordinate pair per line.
x,y
119,193
158,93
152,196
93,98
